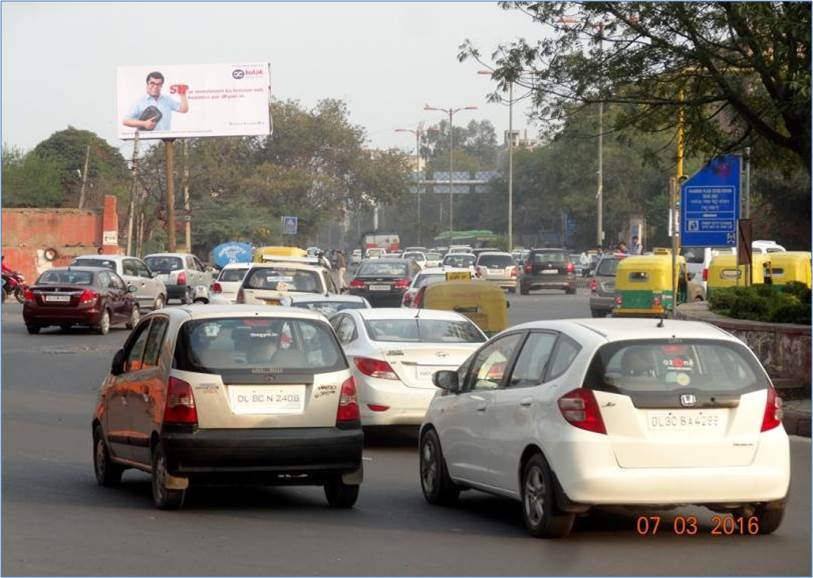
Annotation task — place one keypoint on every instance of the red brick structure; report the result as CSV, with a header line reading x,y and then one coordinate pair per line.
x,y
38,239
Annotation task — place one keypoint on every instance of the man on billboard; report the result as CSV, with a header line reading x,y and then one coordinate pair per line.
x,y
154,111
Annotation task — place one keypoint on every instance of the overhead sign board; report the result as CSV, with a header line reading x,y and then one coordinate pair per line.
x,y
290,225
178,101
710,204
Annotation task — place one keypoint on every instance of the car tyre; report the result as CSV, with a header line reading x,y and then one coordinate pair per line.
x,y
597,313
770,517
135,317
33,329
103,328
523,290
539,511
19,294
160,301
163,497
108,473
66,328
341,495
438,488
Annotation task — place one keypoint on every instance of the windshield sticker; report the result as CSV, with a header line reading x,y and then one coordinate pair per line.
x,y
212,330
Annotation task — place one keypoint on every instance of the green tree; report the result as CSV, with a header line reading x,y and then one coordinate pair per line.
x,y
29,181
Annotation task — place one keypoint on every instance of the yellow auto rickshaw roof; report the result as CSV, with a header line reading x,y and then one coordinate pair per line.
x,y
783,257
648,262
729,260
282,251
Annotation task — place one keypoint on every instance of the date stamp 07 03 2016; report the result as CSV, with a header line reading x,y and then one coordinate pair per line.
x,y
689,526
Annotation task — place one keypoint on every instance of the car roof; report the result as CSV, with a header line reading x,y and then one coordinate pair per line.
x,y
316,297
81,268
458,255
407,313
287,265
384,260
169,255
105,257
618,329
487,253
238,265
210,311
433,271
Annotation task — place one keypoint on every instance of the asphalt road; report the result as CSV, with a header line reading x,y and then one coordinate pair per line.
x,y
57,521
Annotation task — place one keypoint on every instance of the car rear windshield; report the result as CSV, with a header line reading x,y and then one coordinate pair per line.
x,y
459,261
433,256
665,366
384,269
429,279
66,278
607,267
232,275
283,279
423,330
329,307
551,257
415,256
495,261
279,344
164,264
106,263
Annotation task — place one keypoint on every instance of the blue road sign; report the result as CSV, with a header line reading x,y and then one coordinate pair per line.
x,y
290,225
710,204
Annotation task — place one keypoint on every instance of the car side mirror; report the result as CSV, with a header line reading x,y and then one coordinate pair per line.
x,y
117,367
131,288
447,380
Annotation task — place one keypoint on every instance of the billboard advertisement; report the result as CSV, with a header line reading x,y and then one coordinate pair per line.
x,y
178,101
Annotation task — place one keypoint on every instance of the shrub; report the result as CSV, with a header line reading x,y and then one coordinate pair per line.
x,y
798,289
764,303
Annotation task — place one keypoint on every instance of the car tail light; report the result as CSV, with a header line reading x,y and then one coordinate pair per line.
x,y
182,278
529,267
593,286
216,288
773,411
29,295
357,283
377,368
180,408
88,296
579,408
705,274
375,407
570,268
348,402
241,296
403,283
618,300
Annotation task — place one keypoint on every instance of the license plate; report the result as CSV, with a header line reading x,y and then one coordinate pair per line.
x,y
267,399
697,420
549,271
379,287
426,373
57,298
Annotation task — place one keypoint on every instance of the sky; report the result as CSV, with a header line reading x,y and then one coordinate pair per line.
x,y
385,60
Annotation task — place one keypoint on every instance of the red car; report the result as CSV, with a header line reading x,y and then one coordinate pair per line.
x,y
90,296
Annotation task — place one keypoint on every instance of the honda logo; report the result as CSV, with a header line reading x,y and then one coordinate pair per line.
x,y
442,354
687,400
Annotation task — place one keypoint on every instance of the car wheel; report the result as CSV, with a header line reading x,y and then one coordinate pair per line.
x,y
33,329
163,497
108,473
538,503
201,301
438,487
135,316
19,294
769,516
523,290
160,301
596,313
341,495
104,323
698,299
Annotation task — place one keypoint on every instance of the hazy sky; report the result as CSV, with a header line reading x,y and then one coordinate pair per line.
x,y
386,60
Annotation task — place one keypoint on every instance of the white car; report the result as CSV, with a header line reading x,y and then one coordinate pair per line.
x,y
422,279
375,253
461,249
327,305
355,257
433,260
268,283
459,261
571,414
225,288
418,257
415,250
393,354
151,293
184,276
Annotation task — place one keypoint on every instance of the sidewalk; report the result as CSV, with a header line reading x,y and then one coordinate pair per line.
x,y
797,417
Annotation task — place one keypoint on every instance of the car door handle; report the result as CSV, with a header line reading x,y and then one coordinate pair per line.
x,y
526,402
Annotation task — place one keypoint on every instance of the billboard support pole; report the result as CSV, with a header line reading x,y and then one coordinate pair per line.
x,y
133,189
187,214
747,195
169,169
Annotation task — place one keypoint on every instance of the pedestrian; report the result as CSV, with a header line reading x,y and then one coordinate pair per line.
x,y
635,247
621,247
341,267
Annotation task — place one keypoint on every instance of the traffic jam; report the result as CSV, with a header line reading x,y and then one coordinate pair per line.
x,y
270,370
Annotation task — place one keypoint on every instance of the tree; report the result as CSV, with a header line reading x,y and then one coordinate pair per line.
x,y
30,181
739,71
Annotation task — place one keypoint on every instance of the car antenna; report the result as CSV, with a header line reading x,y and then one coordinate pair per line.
x,y
660,321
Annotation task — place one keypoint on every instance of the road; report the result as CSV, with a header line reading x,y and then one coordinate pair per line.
x,y
57,521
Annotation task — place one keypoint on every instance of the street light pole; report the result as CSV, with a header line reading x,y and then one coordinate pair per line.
x,y
451,112
600,191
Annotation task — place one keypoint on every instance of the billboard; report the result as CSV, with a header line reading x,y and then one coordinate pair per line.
x,y
178,101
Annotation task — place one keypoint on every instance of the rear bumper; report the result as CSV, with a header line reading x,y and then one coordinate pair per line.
x,y
602,304
502,283
263,453
380,298
61,315
406,405
177,291
548,282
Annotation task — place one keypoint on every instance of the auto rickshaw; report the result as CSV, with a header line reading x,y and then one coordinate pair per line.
x,y
485,304
787,266
263,254
724,271
643,284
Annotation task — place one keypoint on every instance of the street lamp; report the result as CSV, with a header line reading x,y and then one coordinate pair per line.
x,y
418,132
451,112
510,160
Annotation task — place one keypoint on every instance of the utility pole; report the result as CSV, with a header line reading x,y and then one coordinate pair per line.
x,y
600,191
84,179
187,214
169,169
133,192
511,167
